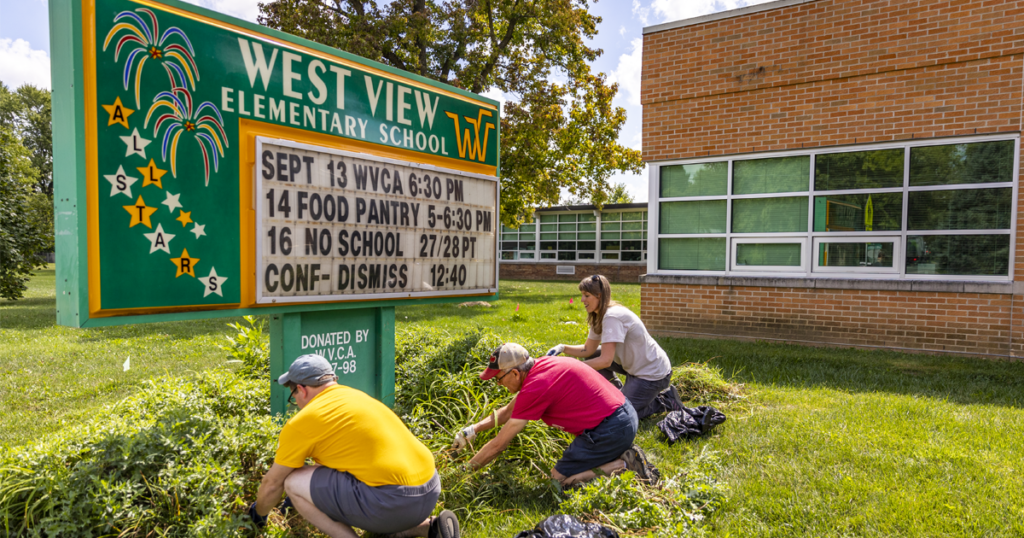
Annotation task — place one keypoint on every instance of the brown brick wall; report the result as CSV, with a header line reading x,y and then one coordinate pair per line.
x,y
829,73
546,271
971,323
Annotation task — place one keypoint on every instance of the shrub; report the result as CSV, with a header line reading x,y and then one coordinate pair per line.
x,y
177,459
250,346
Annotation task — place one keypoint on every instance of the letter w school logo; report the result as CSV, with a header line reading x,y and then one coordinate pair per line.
x,y
464,142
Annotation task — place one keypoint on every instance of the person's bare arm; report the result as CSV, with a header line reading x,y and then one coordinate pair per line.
x,y
497,445
583,351
503,415
271,488
606,358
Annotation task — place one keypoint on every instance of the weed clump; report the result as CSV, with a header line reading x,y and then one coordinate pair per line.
x,y
701,382
249,346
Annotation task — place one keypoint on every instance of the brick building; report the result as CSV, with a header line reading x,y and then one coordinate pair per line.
x,y
838,172
571,242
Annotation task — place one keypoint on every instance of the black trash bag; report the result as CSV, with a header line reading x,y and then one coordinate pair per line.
x,y
690,422
563,526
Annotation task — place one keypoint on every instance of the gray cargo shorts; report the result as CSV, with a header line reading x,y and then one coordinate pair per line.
x,y
381,509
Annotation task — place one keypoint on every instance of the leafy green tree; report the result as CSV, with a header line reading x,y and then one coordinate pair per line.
x,y
560,132
616,193
21,239
36,134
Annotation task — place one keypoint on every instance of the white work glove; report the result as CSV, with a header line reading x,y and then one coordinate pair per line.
x,y
463,437
557,350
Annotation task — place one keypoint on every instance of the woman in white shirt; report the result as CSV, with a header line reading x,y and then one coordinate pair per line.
x,y
620,344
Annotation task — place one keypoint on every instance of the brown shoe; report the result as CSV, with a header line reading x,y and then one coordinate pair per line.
x,y
636,461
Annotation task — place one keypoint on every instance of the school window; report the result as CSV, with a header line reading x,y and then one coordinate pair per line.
x,y
613,236
922,209
519,244
624,236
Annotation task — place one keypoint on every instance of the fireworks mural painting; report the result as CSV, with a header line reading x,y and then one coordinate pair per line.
x,y
205,123
145,42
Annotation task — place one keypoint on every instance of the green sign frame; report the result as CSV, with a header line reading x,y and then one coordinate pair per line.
x,y
156,107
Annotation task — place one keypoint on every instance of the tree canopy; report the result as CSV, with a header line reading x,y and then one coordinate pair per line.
x,y
561,129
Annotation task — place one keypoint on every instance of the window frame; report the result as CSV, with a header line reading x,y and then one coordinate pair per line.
x,y
812,238
775,269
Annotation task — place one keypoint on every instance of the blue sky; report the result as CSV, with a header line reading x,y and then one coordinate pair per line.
x,y
25,48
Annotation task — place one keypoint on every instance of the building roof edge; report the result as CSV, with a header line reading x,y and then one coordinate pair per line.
x,y
768,6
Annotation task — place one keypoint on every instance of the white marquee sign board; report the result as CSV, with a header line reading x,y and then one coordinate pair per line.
x,y
338,225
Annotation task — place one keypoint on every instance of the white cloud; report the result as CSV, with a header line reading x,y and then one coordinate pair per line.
x,y
627,74
20,64
243,9
497,95
674,10
641,12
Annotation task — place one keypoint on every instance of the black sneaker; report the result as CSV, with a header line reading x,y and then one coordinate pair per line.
x,y
636,461
445,525
669,398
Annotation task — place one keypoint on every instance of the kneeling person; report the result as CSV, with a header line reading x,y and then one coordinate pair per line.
x,y
371,472
566,394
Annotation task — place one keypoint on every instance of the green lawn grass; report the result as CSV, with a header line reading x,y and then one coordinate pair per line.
x,y
825,442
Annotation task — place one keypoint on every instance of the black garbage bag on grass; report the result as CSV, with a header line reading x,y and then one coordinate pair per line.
x,y
563,526
690,422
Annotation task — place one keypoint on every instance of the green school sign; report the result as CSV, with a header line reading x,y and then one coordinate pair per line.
x,y
205,166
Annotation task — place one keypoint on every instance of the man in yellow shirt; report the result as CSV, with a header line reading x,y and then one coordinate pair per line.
x,y
370,472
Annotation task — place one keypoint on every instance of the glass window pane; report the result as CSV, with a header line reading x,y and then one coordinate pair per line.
x,y
550,236
548,227
567,218
609,255
611,245
769,215
566,245
855,254
567,256
958,254
632,256
645,224
610,235
755,254
760,176
858,212
702,217
548,245
632,245
586,245
632,235
528,228
982,162
876,169
527,237
610,225
507,229
608,217
567,227
706,179
969,209
511,245
697,254
587,217
525,255
586,235
635,215
587,226
633,225
586,255
509,237
526,245
549,218
508,255
547,255
570,236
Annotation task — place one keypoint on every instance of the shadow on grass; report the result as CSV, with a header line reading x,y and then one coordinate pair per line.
x,y
33,313
962,380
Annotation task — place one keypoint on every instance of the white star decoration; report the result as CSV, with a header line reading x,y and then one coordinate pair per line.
x,y
199,230
212,283
159,240
172,202
120,183
136,144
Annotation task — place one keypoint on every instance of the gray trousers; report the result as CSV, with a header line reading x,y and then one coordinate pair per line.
x,y
641,393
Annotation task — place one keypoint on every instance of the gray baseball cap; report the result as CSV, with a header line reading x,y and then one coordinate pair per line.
x,y
306,370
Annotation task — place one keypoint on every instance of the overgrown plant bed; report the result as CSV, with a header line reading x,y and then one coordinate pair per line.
x,y
184,457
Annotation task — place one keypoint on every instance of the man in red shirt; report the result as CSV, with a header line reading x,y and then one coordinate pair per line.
x,y
565,394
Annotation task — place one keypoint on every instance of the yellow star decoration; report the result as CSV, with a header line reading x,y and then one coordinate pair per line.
x,y
118,113
184,217
151,174
140,213
186,265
